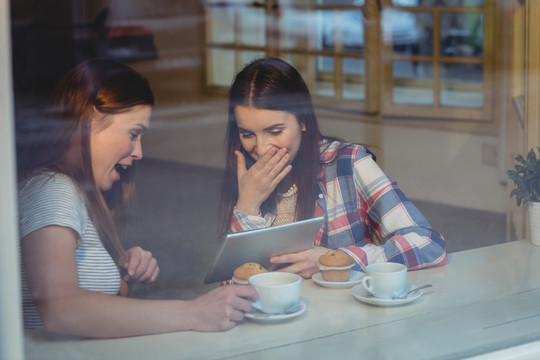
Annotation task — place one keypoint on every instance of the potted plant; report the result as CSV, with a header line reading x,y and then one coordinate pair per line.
x,y
526,177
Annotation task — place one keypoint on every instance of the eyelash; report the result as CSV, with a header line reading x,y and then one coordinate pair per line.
x,y
273,133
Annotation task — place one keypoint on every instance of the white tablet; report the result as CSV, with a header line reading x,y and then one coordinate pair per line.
x,y
262,244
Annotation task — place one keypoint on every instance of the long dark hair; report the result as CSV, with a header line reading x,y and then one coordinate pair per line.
x,y
60,142
273,84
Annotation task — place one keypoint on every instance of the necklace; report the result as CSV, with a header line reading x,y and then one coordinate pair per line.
x,y
286,206
293,190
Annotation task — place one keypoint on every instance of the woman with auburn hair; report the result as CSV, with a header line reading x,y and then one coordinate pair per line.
x,y
281,169
75,178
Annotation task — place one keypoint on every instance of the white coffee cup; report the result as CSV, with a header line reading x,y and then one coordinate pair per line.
x,y
278,291
385,280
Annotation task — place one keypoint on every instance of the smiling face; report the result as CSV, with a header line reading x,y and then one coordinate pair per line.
x,y
115,142
262,129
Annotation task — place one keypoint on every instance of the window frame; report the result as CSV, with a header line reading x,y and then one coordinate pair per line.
x,y
377,105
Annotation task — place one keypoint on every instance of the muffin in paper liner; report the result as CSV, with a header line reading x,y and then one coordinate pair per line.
x,y
237,281
335,273
245,271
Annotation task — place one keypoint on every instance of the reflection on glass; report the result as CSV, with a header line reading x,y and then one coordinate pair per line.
x,y
462,34
354,86
222,67
299,62
412,33
461,85
246,57
340,2
411,86
294,25
348,26
221,24
324,76
252,27
323,29
463,3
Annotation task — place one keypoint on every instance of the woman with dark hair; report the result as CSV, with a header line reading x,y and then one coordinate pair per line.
x,y
281,169
75,179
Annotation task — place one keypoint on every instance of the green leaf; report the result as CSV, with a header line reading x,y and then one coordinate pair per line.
x,y
526,177
531,156
520,159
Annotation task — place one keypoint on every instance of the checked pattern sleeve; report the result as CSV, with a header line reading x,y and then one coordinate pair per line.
x,y
371,219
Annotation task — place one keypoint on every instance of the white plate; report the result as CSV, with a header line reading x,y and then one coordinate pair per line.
x,y
354,279
259,316
362,295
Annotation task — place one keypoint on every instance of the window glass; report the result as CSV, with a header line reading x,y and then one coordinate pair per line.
x,y
410,86
221,25
222,67
461,85
294,24
324,76
300,62
466,3
354,86
409,33
252,26
462,34
323,29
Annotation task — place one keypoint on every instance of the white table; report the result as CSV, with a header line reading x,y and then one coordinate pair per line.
x,y
483,300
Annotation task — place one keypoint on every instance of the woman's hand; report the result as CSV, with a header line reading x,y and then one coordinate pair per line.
x,y
221,308
303,263
257,183
138,265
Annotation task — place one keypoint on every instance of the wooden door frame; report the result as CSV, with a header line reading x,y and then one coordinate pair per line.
x,y
522,96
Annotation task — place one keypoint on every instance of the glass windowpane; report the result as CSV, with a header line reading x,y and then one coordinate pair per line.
x,y
351,27
248,56
324,76
354,86
462,3
299,62
462,34
410,33
221,67
252,27
295,25
461,85
221,21
323,29
347,25
338,2
410,86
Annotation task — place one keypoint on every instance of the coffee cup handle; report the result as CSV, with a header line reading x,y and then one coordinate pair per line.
x,y
366,283
257,304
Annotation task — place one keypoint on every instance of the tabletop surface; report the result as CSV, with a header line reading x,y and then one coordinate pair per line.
x,y
484,299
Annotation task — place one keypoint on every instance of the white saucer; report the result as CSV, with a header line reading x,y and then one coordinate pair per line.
x,y
361,294
354,279
259,316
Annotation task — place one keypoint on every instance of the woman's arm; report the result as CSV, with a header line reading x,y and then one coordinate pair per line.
x,y
405,235
51,270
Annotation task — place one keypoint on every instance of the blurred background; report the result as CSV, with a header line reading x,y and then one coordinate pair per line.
x,y
436,88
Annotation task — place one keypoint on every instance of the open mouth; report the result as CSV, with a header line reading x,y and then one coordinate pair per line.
x,y
121,169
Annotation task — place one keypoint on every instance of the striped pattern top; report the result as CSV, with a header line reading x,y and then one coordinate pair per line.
x,y
366,214
53,199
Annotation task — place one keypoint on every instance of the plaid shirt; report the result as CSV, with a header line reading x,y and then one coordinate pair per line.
x,y
366,214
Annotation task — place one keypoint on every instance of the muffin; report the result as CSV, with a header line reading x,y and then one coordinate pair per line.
x,y
245,271
335,266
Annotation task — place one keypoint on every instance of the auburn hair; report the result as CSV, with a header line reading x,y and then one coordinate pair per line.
x,y
60,140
